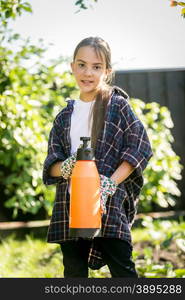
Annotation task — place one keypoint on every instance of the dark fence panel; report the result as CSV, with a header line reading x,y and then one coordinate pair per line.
x,y
167,87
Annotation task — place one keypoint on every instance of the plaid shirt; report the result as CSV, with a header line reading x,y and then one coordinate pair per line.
x,y
123,138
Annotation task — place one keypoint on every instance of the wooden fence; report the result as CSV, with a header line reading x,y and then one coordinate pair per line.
x,y
167,87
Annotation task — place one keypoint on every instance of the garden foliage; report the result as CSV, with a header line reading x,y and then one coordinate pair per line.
x,y
164,169
31,94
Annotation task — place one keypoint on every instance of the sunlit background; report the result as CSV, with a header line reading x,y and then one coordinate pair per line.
x,y
142,33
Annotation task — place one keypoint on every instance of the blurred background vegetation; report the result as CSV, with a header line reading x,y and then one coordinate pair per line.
x,y
31,94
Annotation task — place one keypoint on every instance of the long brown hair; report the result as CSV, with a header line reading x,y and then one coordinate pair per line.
x,y
102,49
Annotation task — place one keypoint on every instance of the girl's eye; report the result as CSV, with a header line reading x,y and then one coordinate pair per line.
x,y
81,65
97,67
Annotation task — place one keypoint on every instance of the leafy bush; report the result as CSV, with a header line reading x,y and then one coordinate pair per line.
x,y
11,10
160,188
29,100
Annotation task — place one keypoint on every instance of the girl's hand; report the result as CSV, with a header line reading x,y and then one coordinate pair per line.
x,y
107,188
67,166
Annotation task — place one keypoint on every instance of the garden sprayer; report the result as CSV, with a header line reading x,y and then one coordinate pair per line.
x,y
85,211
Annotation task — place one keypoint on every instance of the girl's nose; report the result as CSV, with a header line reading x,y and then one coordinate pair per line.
x,y
88,71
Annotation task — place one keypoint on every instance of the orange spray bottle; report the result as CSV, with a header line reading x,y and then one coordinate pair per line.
x,y
85,211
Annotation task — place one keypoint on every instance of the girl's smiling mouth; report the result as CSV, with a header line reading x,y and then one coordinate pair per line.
x,y
86,82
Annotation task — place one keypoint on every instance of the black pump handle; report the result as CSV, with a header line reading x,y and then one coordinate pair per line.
x,y
84,152
85,139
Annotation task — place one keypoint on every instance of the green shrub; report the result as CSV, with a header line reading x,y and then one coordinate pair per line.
x,y
164,168
29,100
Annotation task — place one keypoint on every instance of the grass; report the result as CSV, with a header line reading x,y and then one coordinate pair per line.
x,y
30,257
159,251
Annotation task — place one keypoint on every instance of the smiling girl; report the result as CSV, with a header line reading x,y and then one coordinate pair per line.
x,y
122,151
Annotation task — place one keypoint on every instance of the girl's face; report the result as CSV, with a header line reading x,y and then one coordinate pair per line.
x,y
90,72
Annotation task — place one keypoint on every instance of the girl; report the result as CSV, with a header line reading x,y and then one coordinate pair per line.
x,y
122,151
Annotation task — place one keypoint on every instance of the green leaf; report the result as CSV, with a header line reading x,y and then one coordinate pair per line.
x,y
183,11
181,3
26,6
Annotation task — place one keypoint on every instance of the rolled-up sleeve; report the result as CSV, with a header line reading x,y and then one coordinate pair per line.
x,y
55,153
136,147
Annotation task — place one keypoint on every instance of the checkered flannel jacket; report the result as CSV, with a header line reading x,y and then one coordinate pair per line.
x,y
123,138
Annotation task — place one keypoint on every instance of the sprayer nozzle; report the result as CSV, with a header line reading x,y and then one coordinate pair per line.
x,y
85,139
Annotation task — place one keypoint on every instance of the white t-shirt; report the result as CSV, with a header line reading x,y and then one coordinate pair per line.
x,y
80,123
